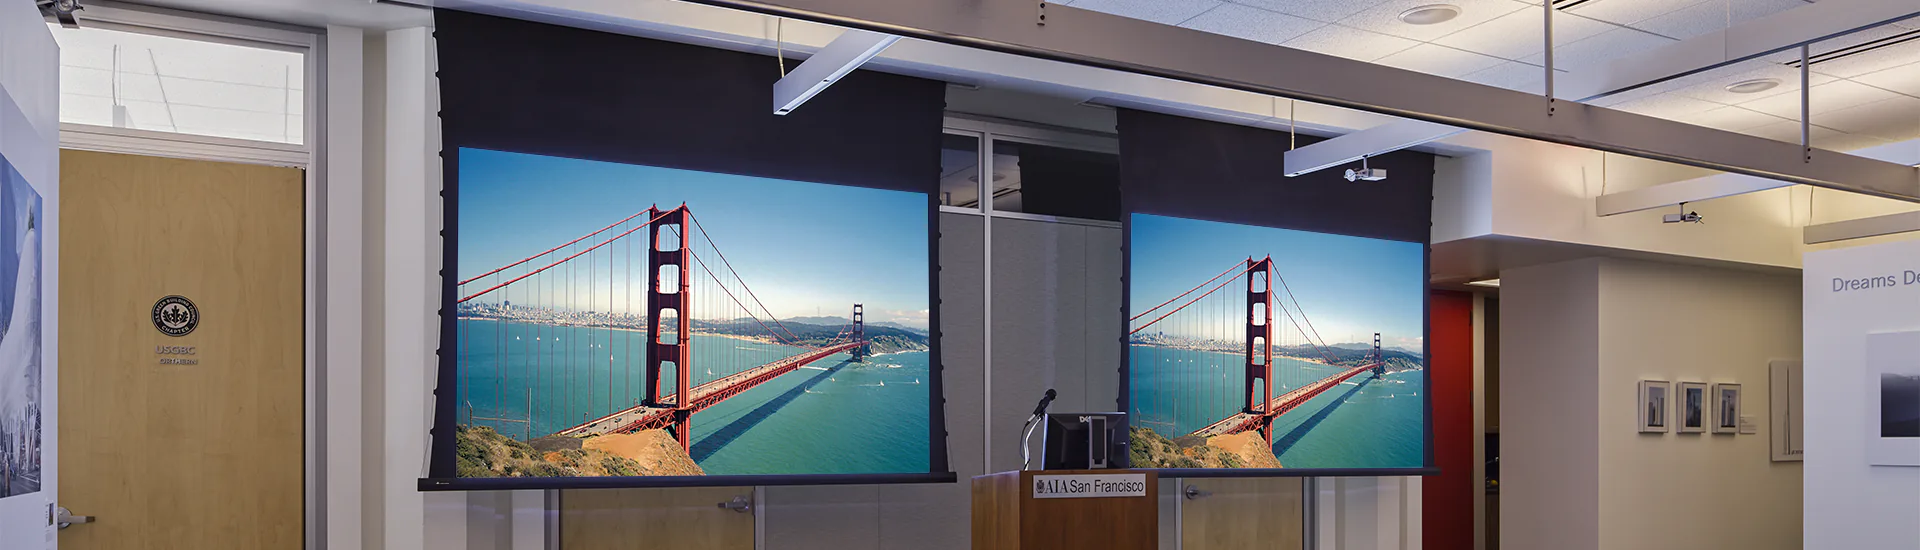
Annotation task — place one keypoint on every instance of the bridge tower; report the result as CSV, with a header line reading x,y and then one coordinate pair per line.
x,y
1378,359
861,351
1260,341
670,295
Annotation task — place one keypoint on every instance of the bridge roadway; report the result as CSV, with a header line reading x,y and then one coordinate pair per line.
x,y
648,417
1277,406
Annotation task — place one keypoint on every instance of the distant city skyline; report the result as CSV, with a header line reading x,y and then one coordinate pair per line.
x,y
804,249
1350,287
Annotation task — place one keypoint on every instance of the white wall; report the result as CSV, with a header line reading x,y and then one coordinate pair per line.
x,y
29,138
1546,191
1549,406
1576,338
1682,323
1849,503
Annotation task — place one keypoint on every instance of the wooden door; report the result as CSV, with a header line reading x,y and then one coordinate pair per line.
x,y
1244,514
592,519
192,440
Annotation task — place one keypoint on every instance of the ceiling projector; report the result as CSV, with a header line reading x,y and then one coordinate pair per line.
x,y
1368,174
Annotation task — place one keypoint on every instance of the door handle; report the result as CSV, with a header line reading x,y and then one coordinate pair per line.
x,y
64,518
1193,492
739,504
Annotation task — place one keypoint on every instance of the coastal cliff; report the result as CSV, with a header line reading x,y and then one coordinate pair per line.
x,y
483,452
1243,450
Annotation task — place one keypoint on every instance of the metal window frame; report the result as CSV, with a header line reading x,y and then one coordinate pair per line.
x,y
308,156
991,130
308,42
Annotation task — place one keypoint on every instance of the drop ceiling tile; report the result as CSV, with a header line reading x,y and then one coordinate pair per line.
x,y
1667,106
1601,48
1170,12
1713,15
1627,12
1512,75
1855,38
1440,60
1730,118
1870,61
1317,10
1252,24
1350,43
1789,131
1385,17
1825,98
1518,34
1896,119
1712,85
1848,142
1903,79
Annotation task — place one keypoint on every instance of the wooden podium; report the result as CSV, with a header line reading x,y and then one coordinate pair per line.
x,y
1066,510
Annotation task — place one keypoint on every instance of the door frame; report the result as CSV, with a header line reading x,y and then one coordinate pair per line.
x,y
310,156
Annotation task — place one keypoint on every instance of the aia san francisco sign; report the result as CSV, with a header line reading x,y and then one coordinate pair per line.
x,y
1090,485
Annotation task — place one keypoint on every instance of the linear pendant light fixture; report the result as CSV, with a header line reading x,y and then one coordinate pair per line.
x,y
847,52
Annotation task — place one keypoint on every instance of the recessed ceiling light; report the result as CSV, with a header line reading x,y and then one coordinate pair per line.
x,y
1754,86
1495,283
1430,14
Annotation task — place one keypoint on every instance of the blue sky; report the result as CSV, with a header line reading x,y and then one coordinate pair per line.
x,y
1350,287
804,248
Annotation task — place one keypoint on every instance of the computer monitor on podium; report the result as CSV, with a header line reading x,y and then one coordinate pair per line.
x,y
1084,441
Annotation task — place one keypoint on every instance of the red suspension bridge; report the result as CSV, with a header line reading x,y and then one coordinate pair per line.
x,y
588,288
1203,385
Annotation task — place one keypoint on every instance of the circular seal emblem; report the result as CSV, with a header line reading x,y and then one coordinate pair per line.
x,y
175,316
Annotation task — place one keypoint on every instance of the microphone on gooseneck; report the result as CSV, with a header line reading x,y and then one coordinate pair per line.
x,y
1044,401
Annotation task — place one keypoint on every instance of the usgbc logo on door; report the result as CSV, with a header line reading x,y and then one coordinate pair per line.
x,y
175,316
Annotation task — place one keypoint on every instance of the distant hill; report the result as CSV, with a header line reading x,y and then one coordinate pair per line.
x,y
842,321
1360,346
883,339
1348,354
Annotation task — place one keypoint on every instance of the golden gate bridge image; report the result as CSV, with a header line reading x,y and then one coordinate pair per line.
x,y
660,344
669,300
1262,406
1214,367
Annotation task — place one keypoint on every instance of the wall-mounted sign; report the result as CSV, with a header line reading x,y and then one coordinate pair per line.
x,y
1090,486
176,355
175,316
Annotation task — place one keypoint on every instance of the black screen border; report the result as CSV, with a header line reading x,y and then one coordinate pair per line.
x,y
446,406
1197,209
569,92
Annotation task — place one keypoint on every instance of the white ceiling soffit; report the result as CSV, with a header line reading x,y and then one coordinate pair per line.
x,y
1747,40
752,32
312,13
1889,224
1242,72
1771,34
1726,185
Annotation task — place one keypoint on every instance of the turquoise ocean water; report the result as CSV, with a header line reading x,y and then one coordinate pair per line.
x,y
830,417
1362,423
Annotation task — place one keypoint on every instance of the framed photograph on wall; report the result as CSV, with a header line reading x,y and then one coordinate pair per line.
x,y
1693,408
1726,408
1652,411
1893,399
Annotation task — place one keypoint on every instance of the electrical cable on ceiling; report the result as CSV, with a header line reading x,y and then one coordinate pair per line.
x,y
779,44
1292,125
1603,173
